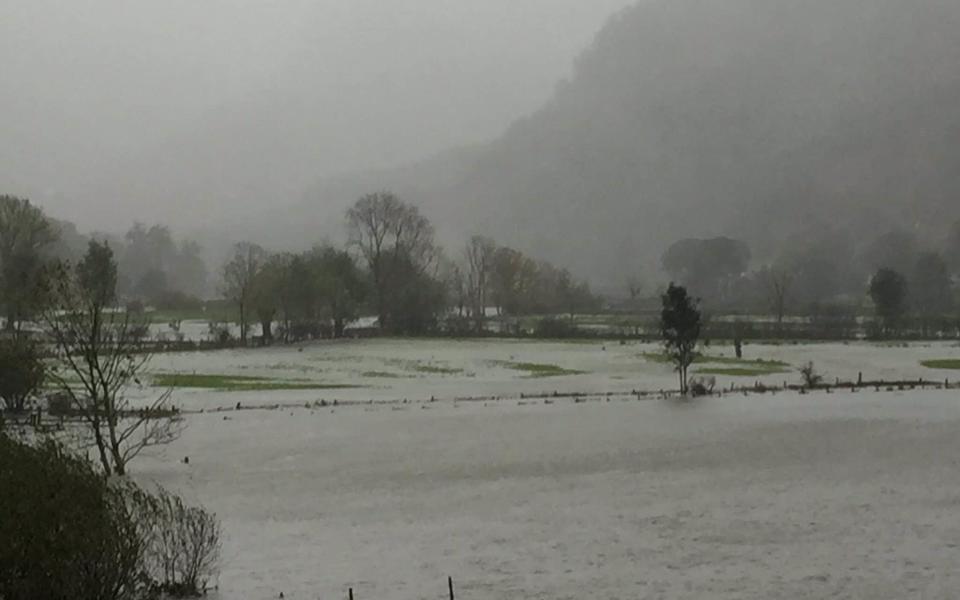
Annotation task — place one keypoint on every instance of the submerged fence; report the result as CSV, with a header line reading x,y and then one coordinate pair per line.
x,y
449,590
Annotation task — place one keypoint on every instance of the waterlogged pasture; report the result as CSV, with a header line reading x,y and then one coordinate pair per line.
x,y
773,496
760,496
430,369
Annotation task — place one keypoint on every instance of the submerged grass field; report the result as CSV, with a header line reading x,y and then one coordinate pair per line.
x,y
740,371
435,370
945,364
727,365
238,383
391,370
723,499
536,369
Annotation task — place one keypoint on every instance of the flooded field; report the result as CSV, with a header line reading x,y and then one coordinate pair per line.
x,y
773,496
418,370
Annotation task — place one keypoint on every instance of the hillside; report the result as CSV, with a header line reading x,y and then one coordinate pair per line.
x,y
752,118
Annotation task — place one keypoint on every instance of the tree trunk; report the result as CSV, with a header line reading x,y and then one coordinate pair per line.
x,y
101,446
266,325
243,326
115,450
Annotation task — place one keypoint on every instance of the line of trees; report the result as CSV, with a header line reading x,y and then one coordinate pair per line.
x,y
512,284
312,294
152,268
393,268
825,272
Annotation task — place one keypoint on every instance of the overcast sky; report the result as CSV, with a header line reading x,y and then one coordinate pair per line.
x,y
97,90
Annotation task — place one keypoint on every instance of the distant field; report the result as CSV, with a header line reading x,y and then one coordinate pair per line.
x,y
238,383
443,369
216,310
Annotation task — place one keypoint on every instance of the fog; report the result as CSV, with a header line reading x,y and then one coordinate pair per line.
x,y
576,132
185,112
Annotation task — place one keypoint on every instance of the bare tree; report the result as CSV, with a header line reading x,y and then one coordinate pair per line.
x,y
777,283
479,254
393,238
100,357
634,288
239,275
514,280
458,287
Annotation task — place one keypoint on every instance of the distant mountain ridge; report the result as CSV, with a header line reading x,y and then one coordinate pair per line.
x,y
757,119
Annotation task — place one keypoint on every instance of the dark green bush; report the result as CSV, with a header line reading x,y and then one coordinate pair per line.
x,y
552,328
67,533
22,372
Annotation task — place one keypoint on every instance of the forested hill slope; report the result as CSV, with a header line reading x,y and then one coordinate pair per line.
x,y
751,118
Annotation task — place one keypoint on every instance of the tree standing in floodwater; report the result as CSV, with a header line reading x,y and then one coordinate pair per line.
x,y
680,324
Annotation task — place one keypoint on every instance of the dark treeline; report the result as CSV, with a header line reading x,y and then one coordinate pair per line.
x,y
896,277
153,268
393,269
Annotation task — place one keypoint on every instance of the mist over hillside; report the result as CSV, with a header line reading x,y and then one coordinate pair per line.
x,y
763,120
190,113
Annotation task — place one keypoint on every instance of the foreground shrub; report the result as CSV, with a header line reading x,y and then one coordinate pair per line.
x,y
67,533
183,547
811,378
701,386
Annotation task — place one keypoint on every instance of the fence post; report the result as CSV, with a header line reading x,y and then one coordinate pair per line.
x,y
351,593
450,586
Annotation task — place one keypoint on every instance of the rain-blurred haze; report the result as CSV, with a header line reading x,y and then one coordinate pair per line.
x,y
183,111
579,132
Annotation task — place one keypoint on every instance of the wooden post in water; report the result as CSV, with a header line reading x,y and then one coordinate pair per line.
x,y
351,593
450,586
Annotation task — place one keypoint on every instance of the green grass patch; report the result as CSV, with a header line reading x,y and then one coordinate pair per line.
x,y
758,363
537,369
729,366
952,364
738,372
238,383
384,375
419,366
216,310
732,361
435,370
